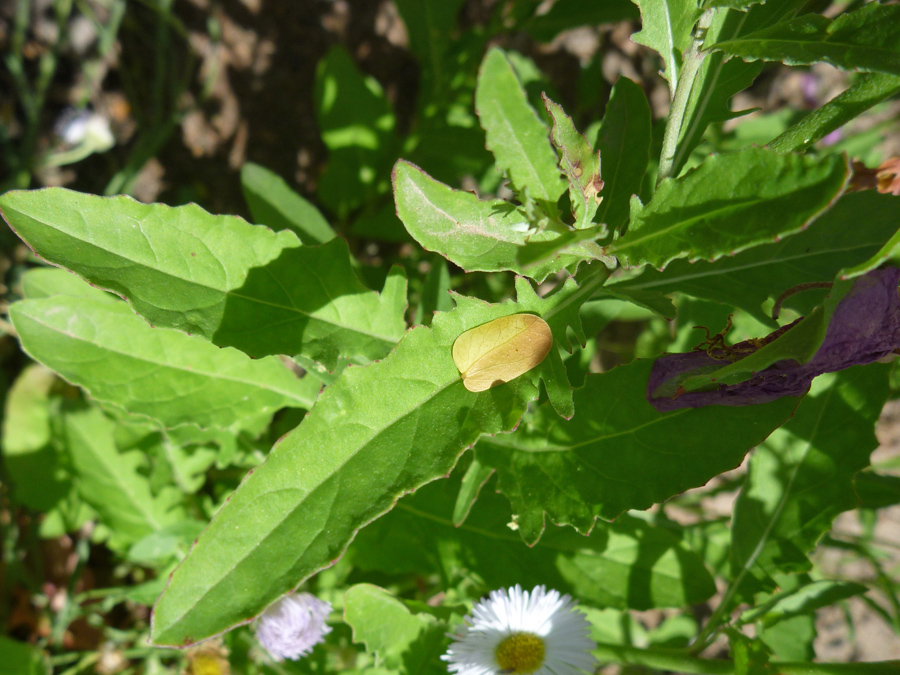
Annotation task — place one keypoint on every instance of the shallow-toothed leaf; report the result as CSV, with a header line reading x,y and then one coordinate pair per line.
x,y
274,204
749,279
666,27
377,433
624,145
164,374
516,136
579,162
625,564
501,350
730,203
487,236
801,477
618,452
865,39
236,284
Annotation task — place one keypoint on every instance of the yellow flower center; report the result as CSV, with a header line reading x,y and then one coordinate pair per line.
x,y
520,654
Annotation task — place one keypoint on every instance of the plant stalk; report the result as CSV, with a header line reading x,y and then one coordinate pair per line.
x,y
692,60
680,662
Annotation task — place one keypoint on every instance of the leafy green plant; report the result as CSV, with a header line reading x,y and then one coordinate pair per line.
x,y
198,341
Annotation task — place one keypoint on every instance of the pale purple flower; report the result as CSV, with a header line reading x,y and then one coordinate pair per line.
x,y
292,626
516,632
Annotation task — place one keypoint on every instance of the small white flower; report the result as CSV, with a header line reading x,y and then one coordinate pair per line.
x,y
75,127
292,626
518,632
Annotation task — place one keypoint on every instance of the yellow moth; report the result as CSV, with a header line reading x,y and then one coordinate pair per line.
x,y
501,350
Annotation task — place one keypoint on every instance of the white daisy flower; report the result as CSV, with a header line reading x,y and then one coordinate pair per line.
x,y
519,633
292,626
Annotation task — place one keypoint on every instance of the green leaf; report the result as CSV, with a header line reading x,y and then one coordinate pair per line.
x,y
579,162
801,478
877,491
19,658
750,279
803,600
889,253
473,480
218,277
750,656
166,544
357,126
666,27
377,433
618,452
792,639
487,236
430,25
867,91
45,282
37,479
163,374
568,14
866,39
435,292
624,142
112,482
273,203
654,301
185,466
728,204
403,641
624,564
516,136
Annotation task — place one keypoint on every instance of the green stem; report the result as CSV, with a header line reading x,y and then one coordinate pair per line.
x,y
692,60
593,279
677,661
870,89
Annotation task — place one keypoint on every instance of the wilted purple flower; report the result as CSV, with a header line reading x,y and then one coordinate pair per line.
x,y
865,327
292,626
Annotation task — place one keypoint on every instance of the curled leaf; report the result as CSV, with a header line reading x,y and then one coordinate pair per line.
x,y
501,350
864,327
